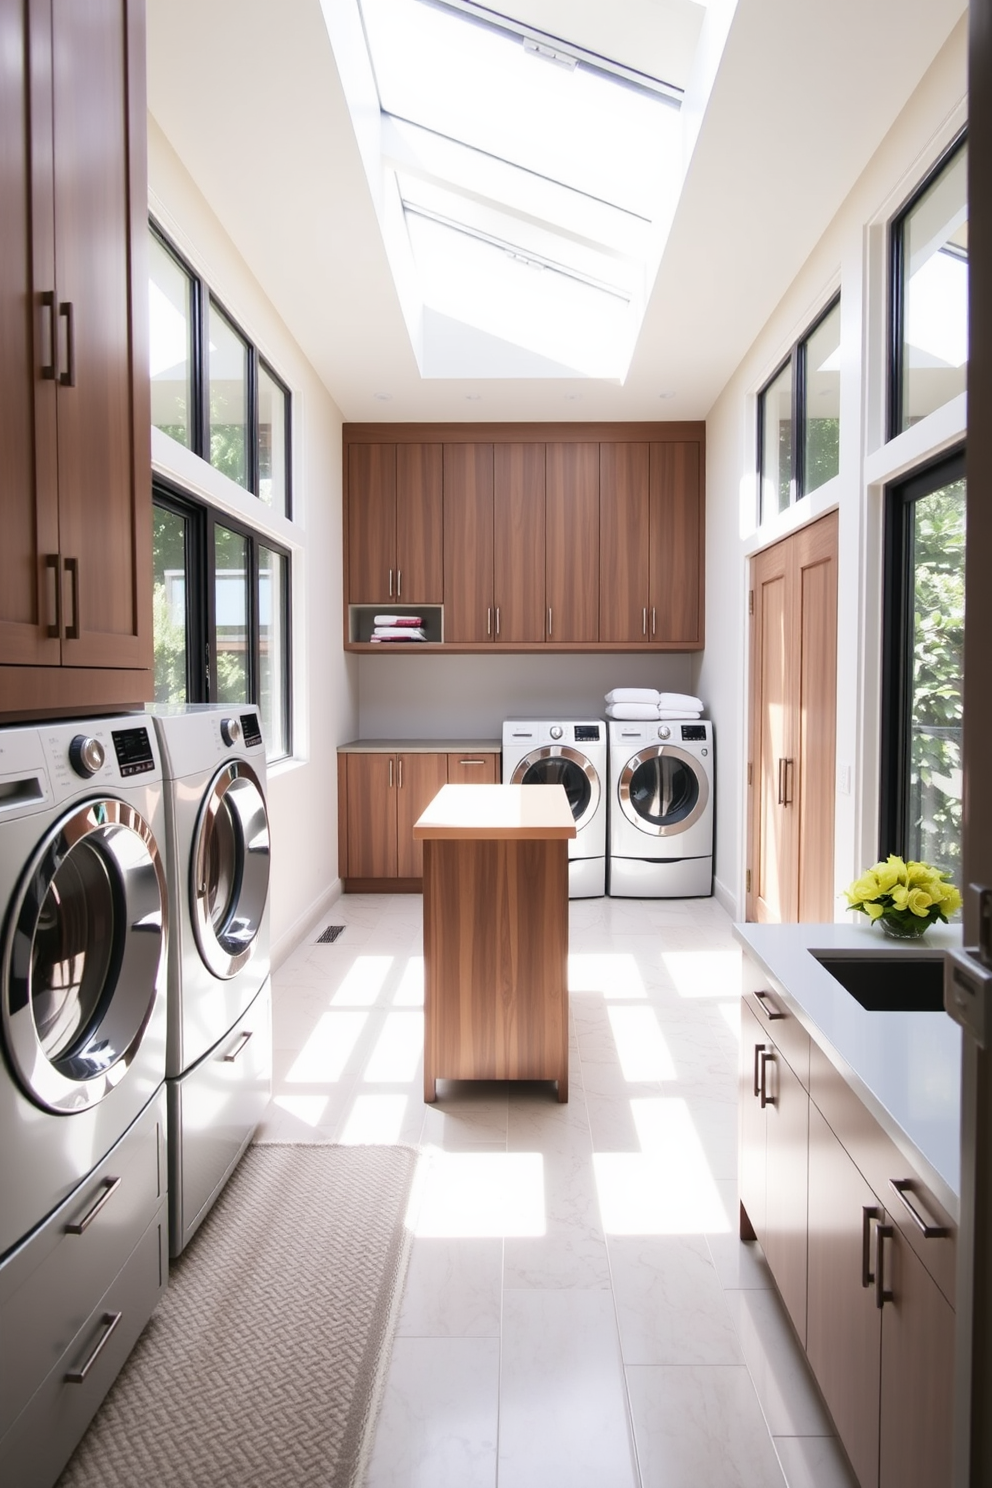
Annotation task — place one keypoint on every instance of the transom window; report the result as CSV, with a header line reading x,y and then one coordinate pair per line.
x,y
799,419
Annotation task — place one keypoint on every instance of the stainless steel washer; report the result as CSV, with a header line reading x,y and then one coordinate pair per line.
x,y
572,755
661,820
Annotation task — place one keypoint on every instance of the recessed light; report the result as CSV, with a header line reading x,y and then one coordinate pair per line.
x,y
384,397
666,395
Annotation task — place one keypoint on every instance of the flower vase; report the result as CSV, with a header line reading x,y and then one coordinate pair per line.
x,y
904,929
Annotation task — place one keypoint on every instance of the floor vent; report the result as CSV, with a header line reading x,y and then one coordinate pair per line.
x,y
328,936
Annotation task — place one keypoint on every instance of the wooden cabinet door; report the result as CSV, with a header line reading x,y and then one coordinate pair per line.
x,y
773,844
419,777
815,718
371,815
623,542
675,598
844,1325
419,565
468,543
572,531
917,1406
518,542
786,1172
473,769
752,1124
371,523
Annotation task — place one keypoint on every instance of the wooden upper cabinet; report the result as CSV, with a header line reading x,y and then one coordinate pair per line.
x,y
572,532
623,542
676,545
419,568
371,523
519,543
468,543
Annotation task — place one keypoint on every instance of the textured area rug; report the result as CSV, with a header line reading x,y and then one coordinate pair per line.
x,y
261,1367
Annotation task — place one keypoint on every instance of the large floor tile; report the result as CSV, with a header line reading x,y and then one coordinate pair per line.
x,y
453,1289
789,1397
814,1462
670,1305
700,1427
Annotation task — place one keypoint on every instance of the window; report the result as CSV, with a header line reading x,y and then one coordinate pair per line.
x,y
799,419
221,606
211,390
930,295
922,681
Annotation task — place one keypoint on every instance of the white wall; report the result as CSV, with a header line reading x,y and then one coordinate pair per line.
x,y
851,256
303,790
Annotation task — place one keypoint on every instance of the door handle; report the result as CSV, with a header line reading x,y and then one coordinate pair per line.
x,y
52,565
238,1050
399,773
759,1049
489,620
72,569
767,1056
644,620
549,622
929,1231
80,1226
790,780
868,1213
399,583
48,303
67,312
883,1232
654,615
108,1322
390,583
390,772
497,619
781,787
768,1007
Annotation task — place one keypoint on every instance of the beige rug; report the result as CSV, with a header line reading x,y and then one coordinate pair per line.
x,y
262,1366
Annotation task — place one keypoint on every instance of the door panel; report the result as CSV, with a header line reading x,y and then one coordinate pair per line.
x,y
817,547
623,543
468,543
371,822
917,1374
420,570
676,544
371,523
784,1241
573,542
773,854
419,777
518,534
753,1126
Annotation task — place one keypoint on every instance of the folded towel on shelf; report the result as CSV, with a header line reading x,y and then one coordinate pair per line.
x,y
394,620
682,713
680,700
632,695
397,633
632,712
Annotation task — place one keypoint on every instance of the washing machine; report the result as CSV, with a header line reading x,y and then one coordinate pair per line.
x,y
574,755
661,810
83,1018
219,1051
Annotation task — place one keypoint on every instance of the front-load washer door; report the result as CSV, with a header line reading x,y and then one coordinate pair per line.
x,y
230,869
663,790
559,764
82,950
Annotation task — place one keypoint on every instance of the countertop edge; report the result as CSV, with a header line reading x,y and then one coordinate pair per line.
x,y
421,746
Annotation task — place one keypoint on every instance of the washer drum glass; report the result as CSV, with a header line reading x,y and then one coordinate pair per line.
x,y
559,764
230,870
663,790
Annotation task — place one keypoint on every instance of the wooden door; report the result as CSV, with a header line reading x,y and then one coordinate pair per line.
x,y
815,722
371,815
752,1125
419,777
623,542
473,769
28,468
419,563
572,530
675,597
518,542
844,1325
468,543
371,523
786,1176
103,407
773,840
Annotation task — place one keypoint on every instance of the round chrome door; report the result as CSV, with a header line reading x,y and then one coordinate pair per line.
x,y
230,869
559,764
81,957
663,790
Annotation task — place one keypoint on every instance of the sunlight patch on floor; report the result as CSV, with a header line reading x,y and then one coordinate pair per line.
x,y
641,1046
323,1057
665,1189
307,1108
396,1056
477,1194
374,1119
614,974
363,982
410,992
705,973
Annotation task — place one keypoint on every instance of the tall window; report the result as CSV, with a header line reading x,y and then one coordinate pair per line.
x,y
799,418
929,362
211,390
923,651
221,607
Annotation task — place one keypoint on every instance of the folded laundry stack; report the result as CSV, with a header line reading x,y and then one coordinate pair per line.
x,y
643,704
398,628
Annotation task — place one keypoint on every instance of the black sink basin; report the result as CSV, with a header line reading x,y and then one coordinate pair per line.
x,y
888,984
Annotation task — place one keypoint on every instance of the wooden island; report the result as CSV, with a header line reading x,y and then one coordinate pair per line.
x,y
496,934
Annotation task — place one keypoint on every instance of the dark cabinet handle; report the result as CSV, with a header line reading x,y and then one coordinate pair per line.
x,y
767,1057
109,1323
868,1213
904,1188
883,1232
68,377
52,565
768,1007
781,782
72,569
759,1049
790,781
48,303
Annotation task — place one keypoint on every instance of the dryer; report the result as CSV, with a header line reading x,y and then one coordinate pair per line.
x,y
661,810
219,1052
574,755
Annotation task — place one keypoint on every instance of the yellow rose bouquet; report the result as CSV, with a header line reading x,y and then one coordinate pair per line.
x,y
906,897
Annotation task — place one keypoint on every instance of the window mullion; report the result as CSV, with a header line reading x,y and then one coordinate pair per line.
x,y
797,482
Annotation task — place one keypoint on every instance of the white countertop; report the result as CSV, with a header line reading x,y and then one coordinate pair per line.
x,y
905,1067
421,746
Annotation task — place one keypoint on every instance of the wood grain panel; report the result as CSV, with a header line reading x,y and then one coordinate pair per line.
x,y
773,854
623,542
371,815
816,552
49,692
752,1129
522,433
468,543
917,1408
419,524
371,538
770,1008
787,1135
519,542
473,769
676,546
572,564
419,777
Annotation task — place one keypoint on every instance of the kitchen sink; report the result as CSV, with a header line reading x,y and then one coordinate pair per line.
x,y
888,984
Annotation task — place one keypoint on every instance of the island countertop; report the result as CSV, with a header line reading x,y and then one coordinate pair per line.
x,y
904,1066
479,812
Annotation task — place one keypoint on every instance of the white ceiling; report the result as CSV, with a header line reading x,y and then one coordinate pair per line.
x,y
247,93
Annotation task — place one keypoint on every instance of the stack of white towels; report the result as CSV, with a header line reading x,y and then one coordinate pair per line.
x,y
398,628
642,704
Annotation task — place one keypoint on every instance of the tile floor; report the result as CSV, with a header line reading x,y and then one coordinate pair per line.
x,y
578,1309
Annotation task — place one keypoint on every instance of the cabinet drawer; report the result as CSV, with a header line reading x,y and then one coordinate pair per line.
x,y
50,1285
472,769
777,1022
41,1440
884,1167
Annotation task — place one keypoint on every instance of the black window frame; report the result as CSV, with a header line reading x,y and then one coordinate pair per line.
x,y
201,298
796,358
897,630
897,285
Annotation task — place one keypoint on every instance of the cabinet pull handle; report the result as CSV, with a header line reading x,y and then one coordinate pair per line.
x,y
80,1226
390,773
399,583
72,569
109,1323
399,773
471,762
48,303
790,780
489,620
868,1213
53,565
390,583
549,622
767,1057
68,377
929,1231
768,1007
654,624
781,782
497,619
883,1232
759,1049
644,620
238,1050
